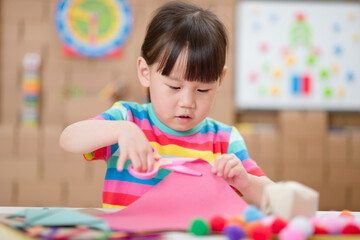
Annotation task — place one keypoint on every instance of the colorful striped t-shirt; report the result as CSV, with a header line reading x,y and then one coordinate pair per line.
x,y
206,141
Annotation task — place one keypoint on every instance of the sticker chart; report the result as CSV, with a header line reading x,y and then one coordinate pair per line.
x,y
298,55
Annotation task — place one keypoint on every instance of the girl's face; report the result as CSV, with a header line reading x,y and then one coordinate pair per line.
x,y
178,103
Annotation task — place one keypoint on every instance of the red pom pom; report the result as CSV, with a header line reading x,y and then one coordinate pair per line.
x,y
278,225
351,229
260,232
217,223
320,230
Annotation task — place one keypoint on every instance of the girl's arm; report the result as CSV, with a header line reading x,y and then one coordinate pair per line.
x,y
253,190
86,136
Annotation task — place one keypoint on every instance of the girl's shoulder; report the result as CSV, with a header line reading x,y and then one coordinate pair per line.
x,y
132,105
217,126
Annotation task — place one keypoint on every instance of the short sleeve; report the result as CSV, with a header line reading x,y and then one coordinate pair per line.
x,y
117,112
237,146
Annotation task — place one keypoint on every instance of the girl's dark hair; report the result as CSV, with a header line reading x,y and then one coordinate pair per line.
x,y
179,26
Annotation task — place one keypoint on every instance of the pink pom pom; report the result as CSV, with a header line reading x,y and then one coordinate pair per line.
x,y
290,233
303,224
333,224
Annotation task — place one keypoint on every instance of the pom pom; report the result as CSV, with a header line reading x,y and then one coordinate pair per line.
x,y
347,214
236,221
278,225
252,213
303,224
268,220
217,223
320,230
333,224
351,229
199,227
290,233
260,232
234,232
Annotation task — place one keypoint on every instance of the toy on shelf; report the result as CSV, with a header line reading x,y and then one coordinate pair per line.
x,y
31,90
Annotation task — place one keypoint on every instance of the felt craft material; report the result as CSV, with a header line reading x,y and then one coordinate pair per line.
x,y
59,217
289,199
176,200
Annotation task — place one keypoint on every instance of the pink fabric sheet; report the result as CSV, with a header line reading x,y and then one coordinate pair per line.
x,y
176,200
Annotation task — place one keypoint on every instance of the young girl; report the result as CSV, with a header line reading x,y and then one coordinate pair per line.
x,y
183,64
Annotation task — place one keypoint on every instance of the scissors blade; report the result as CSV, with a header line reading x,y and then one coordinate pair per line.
x,y
183,169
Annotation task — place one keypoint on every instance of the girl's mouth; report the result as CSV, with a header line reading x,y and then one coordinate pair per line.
x,y
183,118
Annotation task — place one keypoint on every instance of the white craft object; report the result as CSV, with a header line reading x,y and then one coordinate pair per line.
x,y
289,199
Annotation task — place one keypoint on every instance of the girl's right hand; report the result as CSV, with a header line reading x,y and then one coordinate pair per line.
x,y
135,146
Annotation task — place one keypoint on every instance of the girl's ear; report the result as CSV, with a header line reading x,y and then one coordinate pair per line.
x,y
143,72
223,75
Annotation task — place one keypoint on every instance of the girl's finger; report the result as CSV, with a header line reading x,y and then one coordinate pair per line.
x,y
150,161
121,160
144,161
220,166
136,161
230,164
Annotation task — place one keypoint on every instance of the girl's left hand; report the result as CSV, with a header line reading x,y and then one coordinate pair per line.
x,y
231,169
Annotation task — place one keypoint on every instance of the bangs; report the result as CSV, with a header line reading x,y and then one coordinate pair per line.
x,y
204,63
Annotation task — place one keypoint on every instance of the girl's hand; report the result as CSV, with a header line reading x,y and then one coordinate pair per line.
x,y
135,146
231,169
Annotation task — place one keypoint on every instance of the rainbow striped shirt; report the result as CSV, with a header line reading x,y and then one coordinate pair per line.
x,y
206,141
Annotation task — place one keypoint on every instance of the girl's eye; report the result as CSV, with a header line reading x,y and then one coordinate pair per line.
x,y
175,88
203,90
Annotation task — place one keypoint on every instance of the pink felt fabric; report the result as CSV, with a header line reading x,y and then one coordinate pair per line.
x,y
176,200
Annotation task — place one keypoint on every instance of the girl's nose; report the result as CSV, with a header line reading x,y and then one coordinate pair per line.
x,y
187,99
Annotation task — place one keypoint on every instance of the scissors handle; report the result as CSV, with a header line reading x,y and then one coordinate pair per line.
x,y
143,175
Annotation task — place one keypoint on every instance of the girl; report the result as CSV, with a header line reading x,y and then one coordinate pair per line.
x,y
183,64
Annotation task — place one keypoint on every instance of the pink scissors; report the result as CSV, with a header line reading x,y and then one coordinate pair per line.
x,y
175,164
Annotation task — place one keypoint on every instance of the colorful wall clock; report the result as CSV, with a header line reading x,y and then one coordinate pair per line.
x,y
93,28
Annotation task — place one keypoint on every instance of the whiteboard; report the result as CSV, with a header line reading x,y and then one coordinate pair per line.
x,y
297,55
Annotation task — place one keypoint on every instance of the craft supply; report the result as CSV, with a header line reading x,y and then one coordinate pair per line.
x,y
277,225
303,224
320,230
252,213
260,232
73,233
237,220
333,224
234,232
34,231
217,223
290,233
289,199
347,214
351,229
175,164
173,202
199,227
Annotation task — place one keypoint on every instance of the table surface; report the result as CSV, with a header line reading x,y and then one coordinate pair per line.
x,y
169,235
